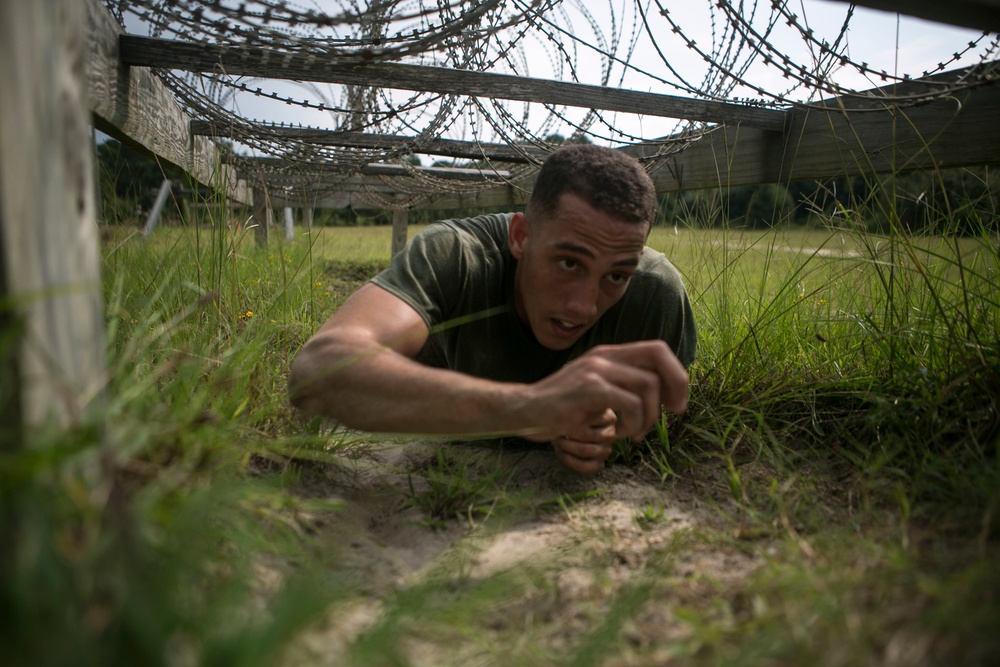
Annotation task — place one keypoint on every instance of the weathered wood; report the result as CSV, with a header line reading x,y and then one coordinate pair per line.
x,y
281,170
472,150
321,179
509,196
978,14
261,215
400,220
133,106
47,212
446,173
956,131
264,63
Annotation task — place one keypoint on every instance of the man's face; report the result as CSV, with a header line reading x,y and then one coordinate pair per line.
x,y
571,268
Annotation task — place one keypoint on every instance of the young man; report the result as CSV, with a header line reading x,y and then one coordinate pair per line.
x,y
556,324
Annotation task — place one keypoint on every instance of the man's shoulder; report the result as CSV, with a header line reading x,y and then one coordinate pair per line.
x,y
489,230
656,270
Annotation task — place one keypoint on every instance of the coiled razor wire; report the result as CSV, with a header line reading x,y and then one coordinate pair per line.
x,y
763,53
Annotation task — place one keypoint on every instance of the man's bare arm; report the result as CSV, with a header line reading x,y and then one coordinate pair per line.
x,y
359,369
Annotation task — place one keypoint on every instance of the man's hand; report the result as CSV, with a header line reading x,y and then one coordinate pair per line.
x,y
588,457
610,392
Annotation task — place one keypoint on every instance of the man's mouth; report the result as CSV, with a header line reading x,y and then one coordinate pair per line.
x,y
565,327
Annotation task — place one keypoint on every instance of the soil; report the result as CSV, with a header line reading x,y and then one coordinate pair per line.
x,y
585,537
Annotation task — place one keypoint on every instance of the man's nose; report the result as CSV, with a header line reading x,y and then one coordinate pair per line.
x,y
583,299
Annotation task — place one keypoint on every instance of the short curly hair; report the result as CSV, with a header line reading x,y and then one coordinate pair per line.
x,y
607,179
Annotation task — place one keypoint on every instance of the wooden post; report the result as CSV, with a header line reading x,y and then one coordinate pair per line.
x,y
261,215
307,217
400,218
289,219
154,213
50,261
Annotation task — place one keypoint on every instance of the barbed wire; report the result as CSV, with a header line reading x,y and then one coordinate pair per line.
x,y
759,53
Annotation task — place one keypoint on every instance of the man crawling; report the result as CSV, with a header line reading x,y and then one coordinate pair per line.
x,y
557,324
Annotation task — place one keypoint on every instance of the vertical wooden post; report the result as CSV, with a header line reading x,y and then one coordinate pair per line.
x,y
289,220
400,219
50,261
261,215
307,217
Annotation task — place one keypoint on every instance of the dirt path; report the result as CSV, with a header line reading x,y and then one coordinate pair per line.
x,y
580,541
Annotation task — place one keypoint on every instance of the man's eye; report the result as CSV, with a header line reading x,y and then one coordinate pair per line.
x,y
568,264
618,279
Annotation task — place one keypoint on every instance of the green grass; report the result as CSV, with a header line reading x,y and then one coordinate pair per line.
x,y
842,434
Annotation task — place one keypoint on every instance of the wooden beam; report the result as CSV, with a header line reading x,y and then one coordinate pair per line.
x,y
400,220
52,288
289,172
265,63
472,150
133,106
978,14
849,137
356,191
261,215
820,145
330,186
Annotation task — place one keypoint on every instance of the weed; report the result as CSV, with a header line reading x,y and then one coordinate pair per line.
x,y
455,490
649,515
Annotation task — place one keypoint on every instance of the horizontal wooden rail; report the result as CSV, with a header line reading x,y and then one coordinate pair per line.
x,y
133,106
978,14
820,144
472,150
268,168
264,63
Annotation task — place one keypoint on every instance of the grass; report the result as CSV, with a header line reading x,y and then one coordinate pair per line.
x,y
841,445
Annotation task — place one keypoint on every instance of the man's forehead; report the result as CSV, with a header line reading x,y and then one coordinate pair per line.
x,y
630,256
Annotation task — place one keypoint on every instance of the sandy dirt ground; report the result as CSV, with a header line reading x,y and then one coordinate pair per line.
x,y
582,539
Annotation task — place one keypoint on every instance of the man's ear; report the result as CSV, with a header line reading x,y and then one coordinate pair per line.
x,y
517,235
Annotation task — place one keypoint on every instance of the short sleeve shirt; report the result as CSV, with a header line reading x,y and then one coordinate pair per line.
x,y
459,276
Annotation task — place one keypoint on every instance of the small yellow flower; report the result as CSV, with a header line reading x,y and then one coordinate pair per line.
x,y
249,313
318,283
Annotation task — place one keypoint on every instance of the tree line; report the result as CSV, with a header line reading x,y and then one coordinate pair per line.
x,y
962,201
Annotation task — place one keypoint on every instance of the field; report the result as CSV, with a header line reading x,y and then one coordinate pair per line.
x,y
829,498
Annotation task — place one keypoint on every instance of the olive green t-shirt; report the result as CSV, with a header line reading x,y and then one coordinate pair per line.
x,y
459,276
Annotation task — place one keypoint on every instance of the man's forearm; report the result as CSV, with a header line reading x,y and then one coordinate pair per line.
x,y
380,390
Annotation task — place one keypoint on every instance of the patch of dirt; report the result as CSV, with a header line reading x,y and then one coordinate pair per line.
x,y
585,537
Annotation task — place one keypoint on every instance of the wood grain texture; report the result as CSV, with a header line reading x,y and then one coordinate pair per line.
x,y
400,222
954,132
47,211
957,131
132,105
